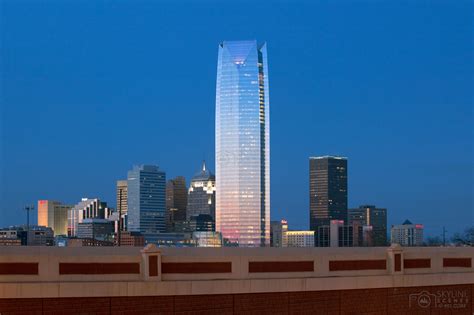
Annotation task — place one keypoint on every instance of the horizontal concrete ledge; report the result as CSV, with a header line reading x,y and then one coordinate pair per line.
x,y
200,287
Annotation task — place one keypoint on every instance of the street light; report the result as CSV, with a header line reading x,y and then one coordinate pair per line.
x,y
28,209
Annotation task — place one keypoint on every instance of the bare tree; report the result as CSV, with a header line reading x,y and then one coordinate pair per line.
x,y
433,241
464,239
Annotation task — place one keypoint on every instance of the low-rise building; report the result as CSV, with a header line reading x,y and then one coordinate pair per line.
x,y
32,236
407,234
207,239
299,238
130,239
98,229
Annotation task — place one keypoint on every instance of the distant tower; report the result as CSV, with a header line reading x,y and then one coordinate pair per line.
x,y
146,200
328,190
243,144
176,200
122,194
376,218
53,214
202,194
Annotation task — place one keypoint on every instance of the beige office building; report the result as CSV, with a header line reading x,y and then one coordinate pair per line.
x,y
122,192
53,214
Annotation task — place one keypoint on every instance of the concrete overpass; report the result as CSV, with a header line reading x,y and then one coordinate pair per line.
x,y
111,280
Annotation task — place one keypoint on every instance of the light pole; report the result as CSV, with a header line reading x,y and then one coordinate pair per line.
x,y
28,209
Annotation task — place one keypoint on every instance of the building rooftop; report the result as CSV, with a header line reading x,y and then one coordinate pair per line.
x,y
334,157
203,174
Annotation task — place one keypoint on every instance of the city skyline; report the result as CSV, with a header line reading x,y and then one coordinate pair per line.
x,y
381,117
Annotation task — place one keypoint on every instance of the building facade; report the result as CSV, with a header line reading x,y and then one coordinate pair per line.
x,y
127,238
202,194
146,200
299,238
207,239
277,233
243,144
97,229
122,207
86,209
327,189
407,234
53,214
176,201
32,235
369,215
336,234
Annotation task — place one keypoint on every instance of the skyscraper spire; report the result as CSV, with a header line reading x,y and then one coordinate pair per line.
x,y
203,166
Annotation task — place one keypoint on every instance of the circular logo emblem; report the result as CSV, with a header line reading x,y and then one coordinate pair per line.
x,y
424,300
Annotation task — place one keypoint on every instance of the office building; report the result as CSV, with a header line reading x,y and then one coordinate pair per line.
x,y
53,214
97,229
243,144
127,238
277,233
336,234
407,234
122,203
146,200
207,239
33,235
170,239
86,209
86,242
201,222
369,215
176,201
299,238
328,190
202,194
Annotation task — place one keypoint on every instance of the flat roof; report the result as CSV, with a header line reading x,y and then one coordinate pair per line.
x,y
328,157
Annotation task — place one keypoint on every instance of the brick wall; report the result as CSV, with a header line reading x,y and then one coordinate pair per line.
x,y
457,299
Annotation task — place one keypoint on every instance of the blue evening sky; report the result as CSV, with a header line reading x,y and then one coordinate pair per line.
x,y
89,88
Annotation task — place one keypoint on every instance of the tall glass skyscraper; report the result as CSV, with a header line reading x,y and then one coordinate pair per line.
x,y
243,144
327,190
146,200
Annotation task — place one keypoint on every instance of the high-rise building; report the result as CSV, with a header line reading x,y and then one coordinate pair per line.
x,y
122,193
277,233
146,200
327,189
176,200
243,144
369,215
53,214
86,209
202,194
407,234
336,234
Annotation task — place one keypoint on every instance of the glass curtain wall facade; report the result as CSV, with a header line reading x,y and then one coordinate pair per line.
x,y
328,190
243,144
146,200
